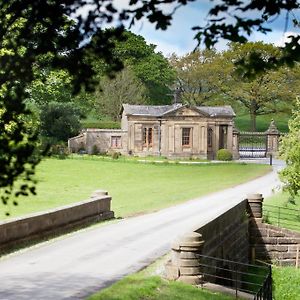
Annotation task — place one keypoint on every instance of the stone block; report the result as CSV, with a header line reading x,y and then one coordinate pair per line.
x,y
287,262
287,240
273,233
172,272
278,248
189,271
194,280
189,262
188,255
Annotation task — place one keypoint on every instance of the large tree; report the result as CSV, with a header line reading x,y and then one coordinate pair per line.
x,y
113,92
31,29
198,76
268,92
150,67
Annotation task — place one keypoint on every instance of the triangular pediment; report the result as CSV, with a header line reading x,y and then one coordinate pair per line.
x,y
185,111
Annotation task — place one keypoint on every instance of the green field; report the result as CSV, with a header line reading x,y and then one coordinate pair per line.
x,y
135,188
242,122
287,216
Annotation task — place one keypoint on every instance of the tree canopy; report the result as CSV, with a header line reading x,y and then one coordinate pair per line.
x,y
48,32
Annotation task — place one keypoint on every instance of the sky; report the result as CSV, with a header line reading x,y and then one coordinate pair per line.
x,y
179,37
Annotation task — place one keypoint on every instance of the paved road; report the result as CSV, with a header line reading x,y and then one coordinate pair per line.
x,y
77,265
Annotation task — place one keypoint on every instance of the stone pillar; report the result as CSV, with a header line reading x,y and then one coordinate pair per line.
x,y
185,262
273,135
235,143
104,204
255,205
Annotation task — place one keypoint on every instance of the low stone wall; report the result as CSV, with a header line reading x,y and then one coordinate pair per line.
x,y
268,242
225,237
37,226
273,244
100,139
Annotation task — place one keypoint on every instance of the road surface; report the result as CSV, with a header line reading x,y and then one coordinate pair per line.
x,y
79,264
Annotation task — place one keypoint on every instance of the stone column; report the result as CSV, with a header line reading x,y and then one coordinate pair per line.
x,y
255,205
185,262
235,143
273,135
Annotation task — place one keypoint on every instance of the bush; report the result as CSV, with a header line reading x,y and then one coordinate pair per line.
x,y
59,150
95,150
224,154
115,155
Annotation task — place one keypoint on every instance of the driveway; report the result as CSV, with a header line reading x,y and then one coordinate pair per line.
x,y
79,264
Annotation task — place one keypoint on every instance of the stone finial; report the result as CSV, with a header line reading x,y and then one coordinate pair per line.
x,y
185,264
272,128
255,205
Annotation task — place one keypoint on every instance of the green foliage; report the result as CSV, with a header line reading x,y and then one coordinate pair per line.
x,y
150,70
59,121
95,150
100,124
269,92
224,154
198,77
290,152
112,93
35,34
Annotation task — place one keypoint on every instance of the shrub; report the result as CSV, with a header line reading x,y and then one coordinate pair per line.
x,y
59,150
224,154
115,155
95,150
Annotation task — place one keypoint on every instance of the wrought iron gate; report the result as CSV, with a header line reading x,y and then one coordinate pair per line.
x,y
253,144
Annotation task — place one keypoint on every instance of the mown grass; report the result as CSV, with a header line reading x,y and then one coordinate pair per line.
x,y
139,287
242,122
287,216
286,283
135,188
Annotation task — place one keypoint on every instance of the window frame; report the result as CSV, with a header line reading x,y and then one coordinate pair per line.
x,y
147,136
118,142
186,137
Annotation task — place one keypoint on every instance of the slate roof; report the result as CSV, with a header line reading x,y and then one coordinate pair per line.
x,y
161,110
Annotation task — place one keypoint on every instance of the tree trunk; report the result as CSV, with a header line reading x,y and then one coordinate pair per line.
x,y
253,120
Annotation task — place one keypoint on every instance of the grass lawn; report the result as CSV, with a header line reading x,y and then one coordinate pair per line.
x,y
242,122
135,187
286,283
282,199
287,218
139,287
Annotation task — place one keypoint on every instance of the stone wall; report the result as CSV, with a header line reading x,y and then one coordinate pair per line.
x,y
225,237
38,226
101,139
274,244
268,242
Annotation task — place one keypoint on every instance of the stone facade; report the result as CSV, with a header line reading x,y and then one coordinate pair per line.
x,y
170,130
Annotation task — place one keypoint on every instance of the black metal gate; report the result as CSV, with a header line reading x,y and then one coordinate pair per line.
x,y
253,144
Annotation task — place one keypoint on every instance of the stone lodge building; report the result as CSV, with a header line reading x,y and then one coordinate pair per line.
x,y
175,130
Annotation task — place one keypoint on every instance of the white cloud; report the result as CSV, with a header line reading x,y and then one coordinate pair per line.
x,y
285,38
